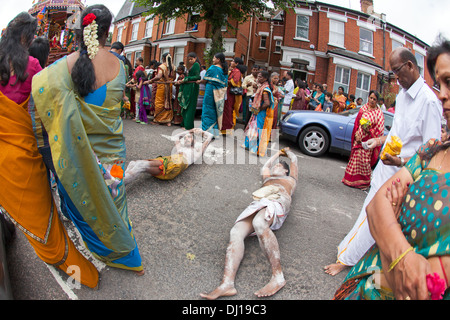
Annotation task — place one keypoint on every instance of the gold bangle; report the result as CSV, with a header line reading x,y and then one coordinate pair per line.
x,y
396,261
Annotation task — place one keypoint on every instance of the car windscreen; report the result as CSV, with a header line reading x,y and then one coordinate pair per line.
x,y
349,113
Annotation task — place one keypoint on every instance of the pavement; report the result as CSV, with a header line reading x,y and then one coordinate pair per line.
x,y
182,229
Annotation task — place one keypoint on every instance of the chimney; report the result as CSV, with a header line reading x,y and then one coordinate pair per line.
x,y
367,6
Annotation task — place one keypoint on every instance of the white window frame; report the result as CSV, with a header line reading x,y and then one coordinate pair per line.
x,y
278,44
263,42
149,28
363,42
129,55
397,41
396,44
300,36
337,37
134,31
137,55
119,33
362,91
340,82
170,26
420,62
178,56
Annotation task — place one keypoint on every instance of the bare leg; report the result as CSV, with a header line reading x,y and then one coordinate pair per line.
x,y
335,268
269,244
233,258
135,168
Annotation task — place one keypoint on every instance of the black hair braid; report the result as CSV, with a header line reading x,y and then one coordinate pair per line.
x,y
83,73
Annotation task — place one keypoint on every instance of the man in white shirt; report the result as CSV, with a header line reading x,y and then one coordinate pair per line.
x,y
249,84
417,119
289,88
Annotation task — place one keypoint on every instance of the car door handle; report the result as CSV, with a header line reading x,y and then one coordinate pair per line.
x,y
341,128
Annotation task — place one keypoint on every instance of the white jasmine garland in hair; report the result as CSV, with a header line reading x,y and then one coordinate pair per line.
x,y
90,36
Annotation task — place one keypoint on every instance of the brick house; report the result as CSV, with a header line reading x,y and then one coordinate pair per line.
x,y
150,37
337,46
318,42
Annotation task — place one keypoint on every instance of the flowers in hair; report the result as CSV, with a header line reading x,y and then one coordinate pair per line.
x,y
90,36
88,19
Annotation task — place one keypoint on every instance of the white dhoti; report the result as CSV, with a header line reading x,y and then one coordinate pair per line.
x,y
358,240
275,200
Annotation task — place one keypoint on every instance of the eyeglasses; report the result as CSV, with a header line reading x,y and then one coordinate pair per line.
x,y
397,70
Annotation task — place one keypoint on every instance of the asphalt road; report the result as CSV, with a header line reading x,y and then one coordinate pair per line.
x,y
182,229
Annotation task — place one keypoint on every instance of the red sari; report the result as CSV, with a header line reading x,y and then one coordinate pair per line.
x,y
233,102
359,168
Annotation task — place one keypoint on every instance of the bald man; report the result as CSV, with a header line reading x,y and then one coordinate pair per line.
x,y
417,119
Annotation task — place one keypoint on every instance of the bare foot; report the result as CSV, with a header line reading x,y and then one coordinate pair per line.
x,y
335,268
275,284
221,291
140,273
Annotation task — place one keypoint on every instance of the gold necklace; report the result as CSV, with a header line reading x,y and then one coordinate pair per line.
x,y
443,158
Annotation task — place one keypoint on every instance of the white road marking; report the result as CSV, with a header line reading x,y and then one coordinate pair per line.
x,y
62,283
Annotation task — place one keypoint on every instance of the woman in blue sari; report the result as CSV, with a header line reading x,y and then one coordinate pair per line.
x,y
80,110
259,127
216,80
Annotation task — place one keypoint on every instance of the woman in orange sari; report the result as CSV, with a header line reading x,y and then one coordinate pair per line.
x,y
339,100
26,196
163,97
368,124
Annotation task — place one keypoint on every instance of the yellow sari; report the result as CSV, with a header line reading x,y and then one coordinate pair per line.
x,y
172,166
163,98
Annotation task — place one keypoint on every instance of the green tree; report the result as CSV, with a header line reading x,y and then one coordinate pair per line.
x,y
216,13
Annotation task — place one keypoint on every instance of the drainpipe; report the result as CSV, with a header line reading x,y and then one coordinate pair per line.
x,y
270,44
249,40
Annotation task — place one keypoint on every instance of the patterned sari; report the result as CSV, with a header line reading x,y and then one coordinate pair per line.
x,y
88,152
259,127
359,168
339,104
163,98
425,222
214,99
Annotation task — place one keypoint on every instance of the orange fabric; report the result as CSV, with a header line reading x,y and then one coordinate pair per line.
x,y
23,176
116,172
340,105
26,195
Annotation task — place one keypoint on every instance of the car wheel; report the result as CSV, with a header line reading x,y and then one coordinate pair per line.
x,y
314,141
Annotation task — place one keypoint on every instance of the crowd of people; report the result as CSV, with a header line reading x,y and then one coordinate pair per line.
x,y
62,125
164,94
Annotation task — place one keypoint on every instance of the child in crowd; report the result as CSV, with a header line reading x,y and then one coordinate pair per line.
x,y
328,104
142,97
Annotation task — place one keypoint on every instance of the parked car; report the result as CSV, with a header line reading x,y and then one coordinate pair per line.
x,y
7,231
320,132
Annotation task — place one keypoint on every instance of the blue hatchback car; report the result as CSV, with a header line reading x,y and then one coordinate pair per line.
x,y
320,132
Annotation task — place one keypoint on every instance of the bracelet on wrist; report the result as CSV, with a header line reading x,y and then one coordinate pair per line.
x,y
400,257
